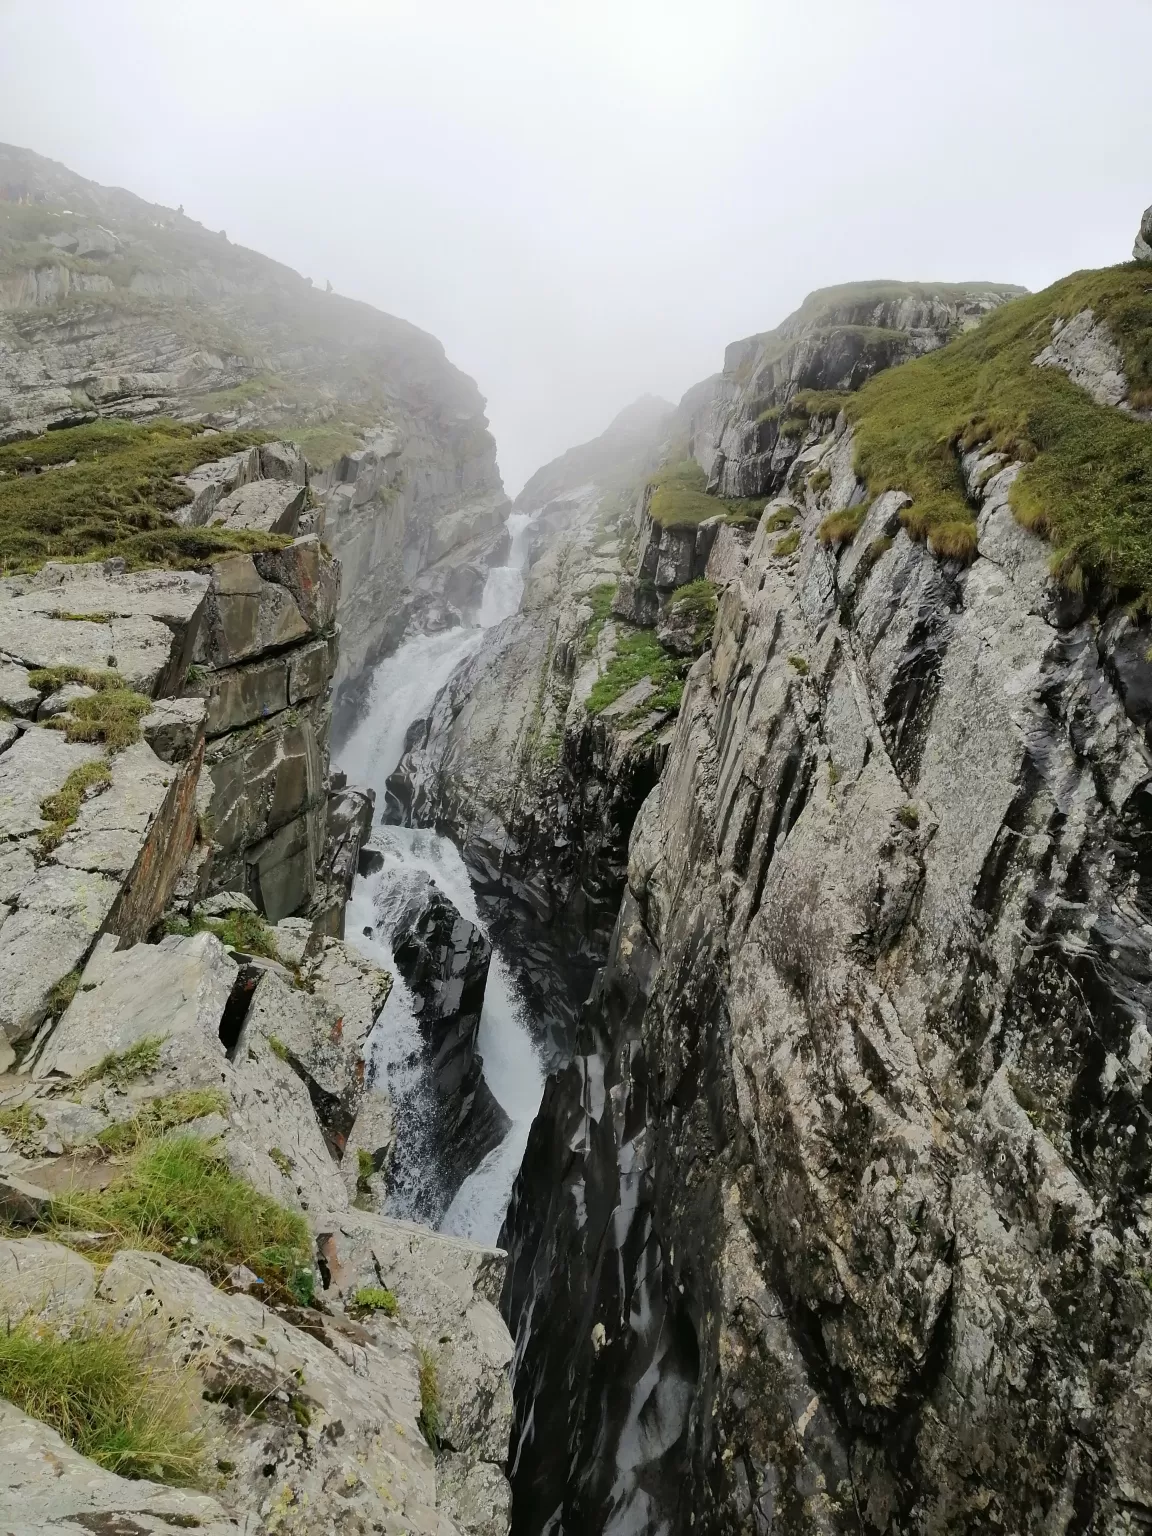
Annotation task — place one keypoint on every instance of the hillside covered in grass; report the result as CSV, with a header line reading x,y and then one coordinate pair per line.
x,y
108,488
1087,481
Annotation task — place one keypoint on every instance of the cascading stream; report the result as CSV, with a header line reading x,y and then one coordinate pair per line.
x,y
403,689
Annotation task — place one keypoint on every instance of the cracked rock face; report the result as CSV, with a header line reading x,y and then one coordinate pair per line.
x,y
838,1219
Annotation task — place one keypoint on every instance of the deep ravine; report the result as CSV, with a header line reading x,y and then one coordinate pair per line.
x,y
402,690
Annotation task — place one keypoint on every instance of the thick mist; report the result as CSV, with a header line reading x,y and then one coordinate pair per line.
x,y
587,202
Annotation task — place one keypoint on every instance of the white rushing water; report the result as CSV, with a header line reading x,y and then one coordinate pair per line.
x,y
403,689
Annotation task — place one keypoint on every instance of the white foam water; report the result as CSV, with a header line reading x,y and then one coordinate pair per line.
x,y
403,689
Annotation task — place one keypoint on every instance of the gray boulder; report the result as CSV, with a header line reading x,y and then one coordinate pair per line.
x,y
1143,248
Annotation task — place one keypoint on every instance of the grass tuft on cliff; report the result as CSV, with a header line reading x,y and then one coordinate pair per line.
x,y
105,489
246,932
1087,481
679,499
110,1394
177,1196
696,602
639,654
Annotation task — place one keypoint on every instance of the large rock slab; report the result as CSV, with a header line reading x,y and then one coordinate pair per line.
x,y
179,987
265,506
32,768
1142,250
141,623
446,1289
60,912
245,615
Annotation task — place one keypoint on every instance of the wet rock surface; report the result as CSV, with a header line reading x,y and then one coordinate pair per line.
x,y
836,1219
445,959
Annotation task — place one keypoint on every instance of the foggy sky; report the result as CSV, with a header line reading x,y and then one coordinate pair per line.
x,y
586,200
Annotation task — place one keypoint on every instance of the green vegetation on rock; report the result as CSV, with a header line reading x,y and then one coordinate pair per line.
x,y
90,492
600,600
679,499
19,1125
639,654
61,809
112,715
788,545
842,527
111,1394
374,1298
158,1116
239,930
119,1068
177,1196
1087,480
696,602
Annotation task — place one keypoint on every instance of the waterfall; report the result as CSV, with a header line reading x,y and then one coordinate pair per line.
x,y
402,690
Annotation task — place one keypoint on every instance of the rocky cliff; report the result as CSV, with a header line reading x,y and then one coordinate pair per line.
x,y
206,1322
111,307
838,1218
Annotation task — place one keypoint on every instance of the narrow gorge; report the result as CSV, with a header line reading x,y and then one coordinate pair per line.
x,y
619,1011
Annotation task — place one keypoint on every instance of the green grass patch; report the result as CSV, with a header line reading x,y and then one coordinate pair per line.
x,y
679,499
160,1116
841,527
116,499
697,602
374,1298
243,931
282,1161
819,481
120,1068
61,809
600,600
110,1394
323,444
799,664
62,994
112,717
789,544
177,1196
639,654
1087,481
20,1126
908,816
783,517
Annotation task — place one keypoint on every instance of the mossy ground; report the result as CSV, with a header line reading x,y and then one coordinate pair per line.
x,y
679,499
90,492
1087,481
639,654
246,932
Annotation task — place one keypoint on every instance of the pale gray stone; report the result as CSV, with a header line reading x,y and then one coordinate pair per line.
x,y
57,703
244,615
446,1289
1142,251
111,827
32,768
1084,349
60,913
174,727
179,986
265,506
16,692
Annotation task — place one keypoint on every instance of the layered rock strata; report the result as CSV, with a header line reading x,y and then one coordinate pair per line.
x,y
114,307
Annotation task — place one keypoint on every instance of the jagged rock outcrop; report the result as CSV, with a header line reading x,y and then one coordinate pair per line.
x,y
112,306
445,959
838,338
1142,251
836,1221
